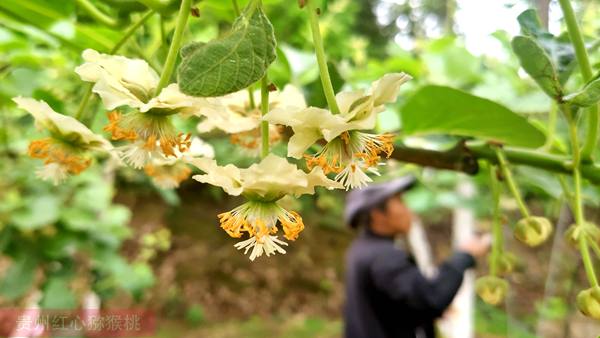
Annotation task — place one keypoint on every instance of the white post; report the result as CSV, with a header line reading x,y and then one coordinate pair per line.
x,y
460,323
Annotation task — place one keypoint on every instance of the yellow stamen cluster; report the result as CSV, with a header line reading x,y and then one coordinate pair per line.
x,y
51,153
375,147
168,143
292,226
118,133
364,147
329,165
235,225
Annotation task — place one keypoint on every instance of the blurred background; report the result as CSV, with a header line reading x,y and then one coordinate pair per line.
x,y
116,237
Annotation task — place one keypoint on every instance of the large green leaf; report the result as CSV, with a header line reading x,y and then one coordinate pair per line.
x,y
536,62
560,49
589,95
231,63
444,110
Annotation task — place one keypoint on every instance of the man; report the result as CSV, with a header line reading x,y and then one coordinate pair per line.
x,y
386,294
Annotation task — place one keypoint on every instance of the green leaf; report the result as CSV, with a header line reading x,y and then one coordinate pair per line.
x,y
231,63
589,95
55,19
560,50
537,64
444,110
37,212
19,277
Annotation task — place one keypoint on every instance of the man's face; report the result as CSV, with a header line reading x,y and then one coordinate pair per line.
x,y
397,215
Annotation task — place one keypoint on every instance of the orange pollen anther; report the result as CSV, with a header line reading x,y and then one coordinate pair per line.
x,y
118,133
43,149
39,148
292,226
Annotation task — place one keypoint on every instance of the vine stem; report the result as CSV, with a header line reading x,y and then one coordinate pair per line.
x,y
264,109
586,73
182,17
496,226
577,200
128,34
510,182
97,14
321,58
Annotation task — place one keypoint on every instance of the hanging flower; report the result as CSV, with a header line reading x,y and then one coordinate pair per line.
x,y
66,150
491,289
239,115
168,173
148,129
263,185
349,152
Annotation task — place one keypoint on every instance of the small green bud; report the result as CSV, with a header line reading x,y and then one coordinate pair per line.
x,y
533,230
588,302
491,289
587,229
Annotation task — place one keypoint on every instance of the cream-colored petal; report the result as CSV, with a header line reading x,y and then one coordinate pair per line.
x,y
315,178
309,125
228,113
302,140
227,177
118,80
290,97
273,176
225,120
346,99
66,127
386,89
170,99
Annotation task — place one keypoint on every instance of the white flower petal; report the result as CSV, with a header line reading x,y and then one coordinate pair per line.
x,y
170,98
386,89
272,178
66,126
227,177
118,80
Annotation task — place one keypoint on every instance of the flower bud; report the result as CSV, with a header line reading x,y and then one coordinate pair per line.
x,y
491,289
507,263
588,302
533,230
587,229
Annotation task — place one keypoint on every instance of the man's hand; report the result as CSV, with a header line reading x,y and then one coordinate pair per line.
x,y
477,246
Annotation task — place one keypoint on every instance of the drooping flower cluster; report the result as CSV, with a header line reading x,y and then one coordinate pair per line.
x,y
262,184
350,153
140,118
66,150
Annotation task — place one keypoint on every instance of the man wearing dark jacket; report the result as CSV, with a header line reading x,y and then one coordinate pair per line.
x,y
386,294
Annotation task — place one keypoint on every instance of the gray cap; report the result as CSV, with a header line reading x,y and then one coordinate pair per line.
x,y
360,200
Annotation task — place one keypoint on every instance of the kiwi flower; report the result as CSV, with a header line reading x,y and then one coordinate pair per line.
x,y
66,151
263,185
147,128
349,153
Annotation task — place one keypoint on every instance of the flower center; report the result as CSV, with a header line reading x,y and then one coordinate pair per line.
x,y
47,150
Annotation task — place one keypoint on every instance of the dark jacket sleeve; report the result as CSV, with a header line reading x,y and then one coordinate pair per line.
x,y
394,275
